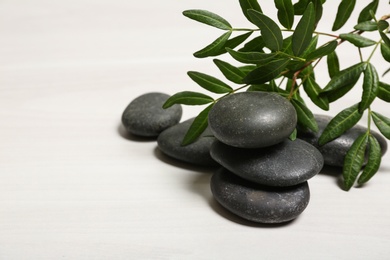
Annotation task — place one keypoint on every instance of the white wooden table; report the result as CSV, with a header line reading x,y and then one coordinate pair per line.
x,y
73,186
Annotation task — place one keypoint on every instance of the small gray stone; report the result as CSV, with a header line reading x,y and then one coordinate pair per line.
x,y
259,203
252,119
198,153
284,164
334,152
144,116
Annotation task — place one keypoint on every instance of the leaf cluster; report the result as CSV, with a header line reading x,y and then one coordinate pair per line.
x,y
281,57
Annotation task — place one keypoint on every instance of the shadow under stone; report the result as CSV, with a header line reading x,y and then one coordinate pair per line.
x,y
131,137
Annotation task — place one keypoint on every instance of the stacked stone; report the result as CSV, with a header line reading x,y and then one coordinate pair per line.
x,y
264,174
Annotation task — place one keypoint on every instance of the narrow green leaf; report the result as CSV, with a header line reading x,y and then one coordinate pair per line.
x,y
354,160
287,46
208,18
255,45
374,160
311,47
384,91
305,116
333,64
266,72
252,57
345,77
385,39
368,26
385,50
197,127
293,135
231,72
370,87
342,122
344,11
270,31
365,14
209,83
249,4
304,31
300,7
313,90
357,40
188,98
248,68
318,9
338,93
383,124
233,43
322,51
386,71
382,25
285,12
214,48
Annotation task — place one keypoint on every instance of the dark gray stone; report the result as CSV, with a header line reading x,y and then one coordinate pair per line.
x,y
198,153
334,152
284,164
144,116
259,203
252,119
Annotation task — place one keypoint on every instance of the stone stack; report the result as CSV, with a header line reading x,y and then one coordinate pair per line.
x,y
264,174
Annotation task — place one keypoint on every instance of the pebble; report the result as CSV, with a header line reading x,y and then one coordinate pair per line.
x,y
144,116
284,164
252,119
259,203
334,152
197,153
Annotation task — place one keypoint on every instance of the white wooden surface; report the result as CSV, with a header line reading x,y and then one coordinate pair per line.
x,y
74,186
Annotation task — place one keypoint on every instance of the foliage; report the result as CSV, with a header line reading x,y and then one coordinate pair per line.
x,y
282,58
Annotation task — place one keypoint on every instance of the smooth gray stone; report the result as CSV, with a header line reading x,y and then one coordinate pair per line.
x,y
259,203
144,116
252,119
335,151
284,164
198,153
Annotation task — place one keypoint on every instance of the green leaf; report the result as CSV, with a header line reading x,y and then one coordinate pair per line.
x,y
311,47
357,40
368,26
304,31
370,87
231,72
338,93
214,48
305,116
344,11
333,64
342,122
285,12
209,83
387,71
270,31
385,50
188,98
385,39
300,7
322,51
233,43
247,68
365,14
354,160
374,160
293,135
345,77
313,90
384,91
383,124
318,9
197,127
382,25
252,57
255,45
266,72
249,4
208,18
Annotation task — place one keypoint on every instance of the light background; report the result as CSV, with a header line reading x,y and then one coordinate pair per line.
x,y
74,186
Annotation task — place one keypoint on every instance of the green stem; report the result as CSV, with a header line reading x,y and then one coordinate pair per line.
x,y
373,51
244,30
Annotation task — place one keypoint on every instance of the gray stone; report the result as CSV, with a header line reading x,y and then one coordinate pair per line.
x,y
334,152
259,203
252,119
144,116
198,153
284,164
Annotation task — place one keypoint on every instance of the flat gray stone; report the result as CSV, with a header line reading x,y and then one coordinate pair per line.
x,y
259,203
284,164
144,116
252,119
334,152
197,153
